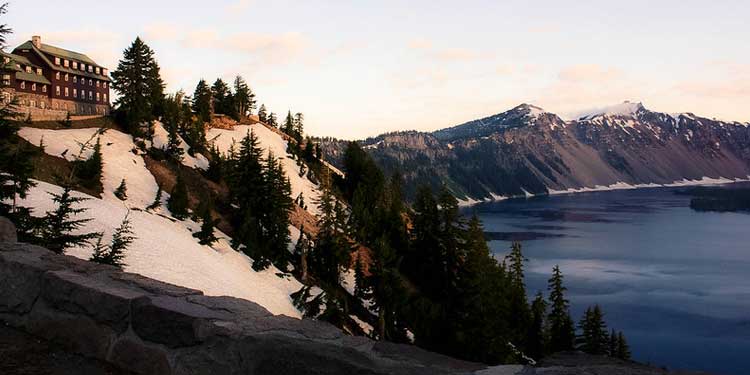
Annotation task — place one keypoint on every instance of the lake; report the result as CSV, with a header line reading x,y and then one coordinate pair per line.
x,y
675,281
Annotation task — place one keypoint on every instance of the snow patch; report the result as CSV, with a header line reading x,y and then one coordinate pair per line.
x,y
161,140
626,108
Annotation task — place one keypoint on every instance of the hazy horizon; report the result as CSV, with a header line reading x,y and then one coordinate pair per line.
x,y
358,70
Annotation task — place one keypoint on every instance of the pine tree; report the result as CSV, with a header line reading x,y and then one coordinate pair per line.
x,y
206,234
157,200
244,98
612,344
594,337
174,119
520,314
263,114
114,254
178,199
299,127
223,98
561,329
273,120
15,161
288,127
216,165
122,191
90,170
58,227
536,341
623,350
138,82
202,99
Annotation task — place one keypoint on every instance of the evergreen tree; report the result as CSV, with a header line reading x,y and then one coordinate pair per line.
x,y
15,159
623,350
246,184
273,120
206,234
594,337
299,127
114,254
288,127
536,341
157,200
174,119
561,330
244,98
202,99
223,98
263,114
122,191
331,248
90,170
138,82
178,199
58,226
215,165
276,207
520,315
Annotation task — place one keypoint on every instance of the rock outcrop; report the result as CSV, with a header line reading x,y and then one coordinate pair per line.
x,y
149,327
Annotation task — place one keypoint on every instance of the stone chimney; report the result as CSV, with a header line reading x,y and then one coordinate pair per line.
x,y
36,40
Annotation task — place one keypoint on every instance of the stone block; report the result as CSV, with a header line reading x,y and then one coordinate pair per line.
x,y
7,230
131,353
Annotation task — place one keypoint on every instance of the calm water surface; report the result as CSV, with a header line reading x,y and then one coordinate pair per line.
x,y
676,281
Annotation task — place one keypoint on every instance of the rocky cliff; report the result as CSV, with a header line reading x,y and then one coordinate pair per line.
x,y
528,150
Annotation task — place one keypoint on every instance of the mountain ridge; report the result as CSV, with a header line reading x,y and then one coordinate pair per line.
x,y
527,150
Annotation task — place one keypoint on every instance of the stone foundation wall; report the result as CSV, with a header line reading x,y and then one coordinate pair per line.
x,y
149,327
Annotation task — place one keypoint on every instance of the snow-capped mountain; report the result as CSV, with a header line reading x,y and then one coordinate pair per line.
x,y
527,150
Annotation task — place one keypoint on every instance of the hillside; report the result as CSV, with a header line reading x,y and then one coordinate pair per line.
x,y
527,150
165,248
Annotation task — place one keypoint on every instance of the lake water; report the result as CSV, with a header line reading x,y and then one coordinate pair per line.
x,y
675,281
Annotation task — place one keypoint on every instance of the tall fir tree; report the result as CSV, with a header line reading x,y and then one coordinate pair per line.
x,y
206,234
114,254
623,350
273,120
537,340
223,98
594,337
520,314
138,82
89,171
58,231
122,191
263,114
202,99
561,328
157,200
244,98
288,126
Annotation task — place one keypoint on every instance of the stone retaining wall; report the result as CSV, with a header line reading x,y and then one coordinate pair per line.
x,y
149,327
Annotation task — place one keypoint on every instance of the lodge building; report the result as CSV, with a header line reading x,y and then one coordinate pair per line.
x,y
52,81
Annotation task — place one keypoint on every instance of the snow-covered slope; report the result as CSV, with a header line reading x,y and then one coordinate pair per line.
x,y
118,157
165,248
268,140
161,139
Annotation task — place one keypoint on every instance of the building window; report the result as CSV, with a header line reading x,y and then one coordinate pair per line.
x,y
91,96
57,61
6,79
75,93
57,90
91,82
28,69
75,65
98,71
83,67
66,77
105,71
67,93
104,84
66,63
98,84
105,98
75,79
23,85
97,97
57,76
44,88
38,71
33,87
42,105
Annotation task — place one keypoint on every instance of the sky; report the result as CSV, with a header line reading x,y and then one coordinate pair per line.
x,y
361,68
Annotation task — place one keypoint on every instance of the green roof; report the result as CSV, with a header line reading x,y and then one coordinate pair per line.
x,y
60,52
18,59
32,77
65,54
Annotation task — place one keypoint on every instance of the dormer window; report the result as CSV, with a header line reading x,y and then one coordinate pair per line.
x,y
39,71
57,61
91,69
83,67
98,71
28,69
105,72
66,63
75,65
